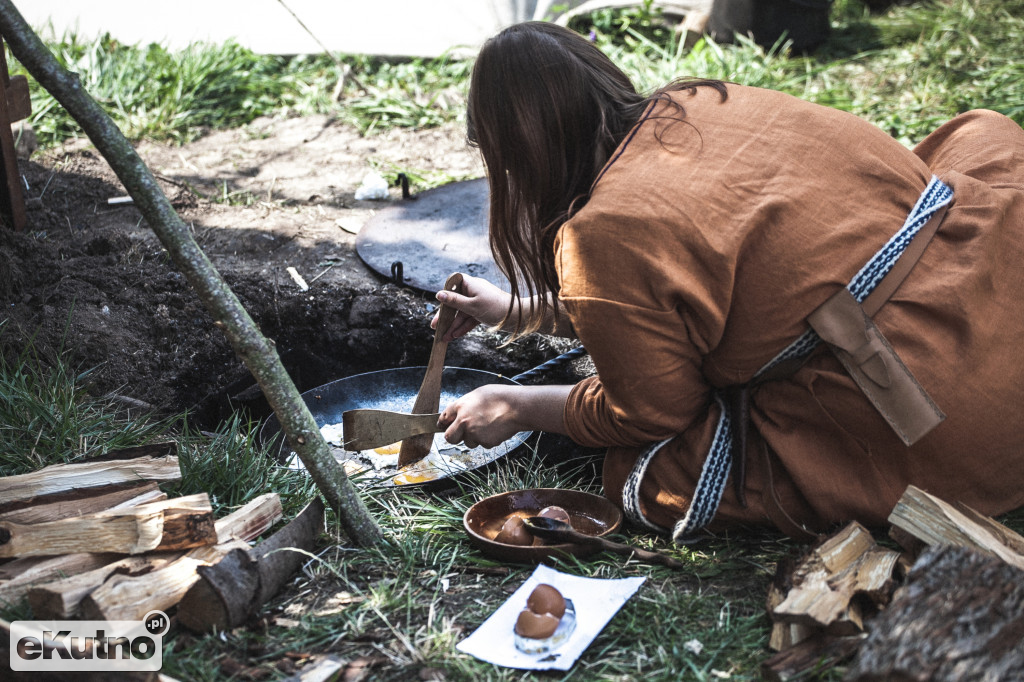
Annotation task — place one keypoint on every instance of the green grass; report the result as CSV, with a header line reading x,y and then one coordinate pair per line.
x,y
906,69
156,94
44,418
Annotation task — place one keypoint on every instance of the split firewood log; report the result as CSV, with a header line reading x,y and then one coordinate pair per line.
x,y
819,603
18,576
149,463
229,592
131,597
806,601
832,588
97,500
931,521
59,599
178,523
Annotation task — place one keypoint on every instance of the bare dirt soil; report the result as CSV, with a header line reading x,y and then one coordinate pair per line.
x,y
90,281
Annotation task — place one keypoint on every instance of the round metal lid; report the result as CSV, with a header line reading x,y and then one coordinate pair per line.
x,y
423,239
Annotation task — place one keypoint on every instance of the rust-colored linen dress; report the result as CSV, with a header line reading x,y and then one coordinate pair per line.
x,y
703,248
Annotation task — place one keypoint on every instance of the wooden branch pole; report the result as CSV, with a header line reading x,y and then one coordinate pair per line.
x,y
178,523
231,591
62,599
255,350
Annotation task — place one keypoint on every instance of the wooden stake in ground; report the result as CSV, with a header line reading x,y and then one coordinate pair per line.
x,y
255,350
230,592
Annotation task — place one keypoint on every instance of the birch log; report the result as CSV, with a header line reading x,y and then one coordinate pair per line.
x,y
229,592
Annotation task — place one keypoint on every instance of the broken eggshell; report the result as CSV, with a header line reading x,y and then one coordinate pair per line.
x,y
546,599
514,532
555,512
546,623
530,625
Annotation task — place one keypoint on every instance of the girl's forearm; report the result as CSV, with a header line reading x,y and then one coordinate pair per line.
x,y
541,408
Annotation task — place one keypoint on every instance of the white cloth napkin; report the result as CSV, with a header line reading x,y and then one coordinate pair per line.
x,y
596,600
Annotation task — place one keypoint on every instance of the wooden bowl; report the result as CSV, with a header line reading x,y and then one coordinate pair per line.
x,y
588,513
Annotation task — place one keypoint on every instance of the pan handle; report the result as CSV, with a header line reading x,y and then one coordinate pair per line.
x,y
545,367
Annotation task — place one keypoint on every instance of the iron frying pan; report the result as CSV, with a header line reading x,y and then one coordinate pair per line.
x,y
395,390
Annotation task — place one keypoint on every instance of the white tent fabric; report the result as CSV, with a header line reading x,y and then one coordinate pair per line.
x,y
411,28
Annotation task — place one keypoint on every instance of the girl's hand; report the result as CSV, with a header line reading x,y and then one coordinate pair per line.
x,y
478,302
492,414
486,416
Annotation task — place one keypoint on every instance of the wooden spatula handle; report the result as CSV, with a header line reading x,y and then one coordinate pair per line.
x,y
429,397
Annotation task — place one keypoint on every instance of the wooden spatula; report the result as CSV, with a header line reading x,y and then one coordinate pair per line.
x,y
366,429
560,531
429,398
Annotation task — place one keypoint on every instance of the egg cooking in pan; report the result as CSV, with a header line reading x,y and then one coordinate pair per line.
x,y
444,459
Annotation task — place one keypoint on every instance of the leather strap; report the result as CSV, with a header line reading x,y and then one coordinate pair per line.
x,y
846,326
884,290
737,402
923,414
875,367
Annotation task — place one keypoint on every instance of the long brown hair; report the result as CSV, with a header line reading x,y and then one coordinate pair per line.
x,y
547,109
